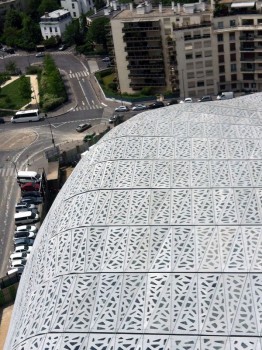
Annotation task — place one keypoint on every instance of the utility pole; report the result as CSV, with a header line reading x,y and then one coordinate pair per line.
x,y
50,126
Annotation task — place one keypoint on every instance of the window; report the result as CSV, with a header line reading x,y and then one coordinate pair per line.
x,y
197,45
220,48
199,65
189,66
200,83
220,25
56,29
234,86
232,36
73,6
208,53
221,69
198,54
248,76
233,77
221,59
232,23
44,28
190,75
220,37
233,67
222,79
74,14
233,57
232,47
222,87
189,56
207,43
51,30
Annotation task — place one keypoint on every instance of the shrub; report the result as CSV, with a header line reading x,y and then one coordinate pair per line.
x,y
51,104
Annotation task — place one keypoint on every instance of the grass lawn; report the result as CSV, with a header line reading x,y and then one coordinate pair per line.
x,y
10,97
109,79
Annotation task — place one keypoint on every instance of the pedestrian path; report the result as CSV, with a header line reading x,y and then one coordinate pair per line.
x,y
78,75
86,107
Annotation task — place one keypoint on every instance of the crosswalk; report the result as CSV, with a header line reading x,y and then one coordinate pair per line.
x,y
78,75
8,173
87,106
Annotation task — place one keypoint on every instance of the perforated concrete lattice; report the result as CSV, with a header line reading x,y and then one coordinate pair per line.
x,y
155,241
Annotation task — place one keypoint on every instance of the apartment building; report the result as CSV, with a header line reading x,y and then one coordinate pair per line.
x,y
54,23
77,7
191,50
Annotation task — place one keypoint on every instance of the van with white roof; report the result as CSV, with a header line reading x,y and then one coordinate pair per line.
x,y
28,176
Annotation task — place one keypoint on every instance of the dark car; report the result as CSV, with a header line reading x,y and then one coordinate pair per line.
x,y
9,50
83,127
116,118
2,121
156,104
205,99
32,200
172,102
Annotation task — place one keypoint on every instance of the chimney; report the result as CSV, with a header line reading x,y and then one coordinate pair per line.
x,y
95,10
160,7
114,5
46,14
172,5
178,7
131,6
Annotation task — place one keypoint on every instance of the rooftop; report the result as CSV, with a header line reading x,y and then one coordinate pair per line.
x,y
154,242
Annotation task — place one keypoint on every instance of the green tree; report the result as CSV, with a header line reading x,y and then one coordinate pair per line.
x,y
97,31
25,87
48,6
30,34
72,34
13,19
11,67
99,4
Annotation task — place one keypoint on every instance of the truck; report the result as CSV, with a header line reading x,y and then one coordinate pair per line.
x,y
226,95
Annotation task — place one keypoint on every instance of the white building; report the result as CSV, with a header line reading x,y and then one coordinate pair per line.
x,y
77,7
155,240
54,23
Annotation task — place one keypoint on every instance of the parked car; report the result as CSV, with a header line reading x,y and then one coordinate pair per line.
x,y
2,121
31,200
156,104
30,186
83,127
172,102
227,95
116,118
23,249
187,100
8,50
106,59
30,228
18,263
140,107
25,207
18,256
205,99
122,109
40,54
22,234
63,47
24,242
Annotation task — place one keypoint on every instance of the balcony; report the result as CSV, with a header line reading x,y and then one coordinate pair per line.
x,y
139,29
246,38
138,66
128,39
145,57
247,69
144,48
147,75
250,48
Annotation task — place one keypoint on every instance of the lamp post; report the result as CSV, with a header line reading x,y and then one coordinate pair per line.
x,y
52,136
9,160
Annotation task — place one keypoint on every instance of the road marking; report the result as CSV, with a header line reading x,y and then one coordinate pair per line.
x,y
84,94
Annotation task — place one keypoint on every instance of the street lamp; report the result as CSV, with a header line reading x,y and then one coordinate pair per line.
x,y
10,160
52,136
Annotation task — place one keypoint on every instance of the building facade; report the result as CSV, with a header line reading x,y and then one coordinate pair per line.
x,y
77,7
54,23
191,50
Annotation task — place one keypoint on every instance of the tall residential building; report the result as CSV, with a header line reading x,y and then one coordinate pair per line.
x,y
190,50
54,23
77,7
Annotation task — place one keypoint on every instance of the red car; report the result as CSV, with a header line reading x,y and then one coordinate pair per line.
x,y
30,186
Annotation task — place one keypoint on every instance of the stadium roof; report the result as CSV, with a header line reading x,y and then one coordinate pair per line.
x,y
154,242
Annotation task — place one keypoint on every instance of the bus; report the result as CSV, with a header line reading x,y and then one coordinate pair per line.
x,y
31,115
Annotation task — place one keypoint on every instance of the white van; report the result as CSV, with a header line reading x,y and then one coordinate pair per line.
x,y
26,217
28,176
226,95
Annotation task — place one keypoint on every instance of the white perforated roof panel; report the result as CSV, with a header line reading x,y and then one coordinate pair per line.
x,y
155,241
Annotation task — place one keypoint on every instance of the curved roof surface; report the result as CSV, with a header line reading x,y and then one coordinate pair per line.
x,y
155,240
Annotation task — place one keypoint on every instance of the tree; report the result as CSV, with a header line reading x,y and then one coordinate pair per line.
x,y
48,6
30,34
72,34
11,67
97,31
25,87
99,4
13,19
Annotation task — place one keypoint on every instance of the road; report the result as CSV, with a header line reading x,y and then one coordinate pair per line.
x,y
23,143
